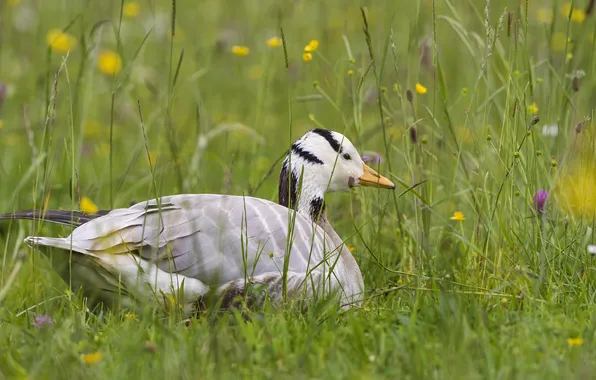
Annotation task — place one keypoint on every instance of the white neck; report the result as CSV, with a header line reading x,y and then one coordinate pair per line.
x,y
310,203
307,198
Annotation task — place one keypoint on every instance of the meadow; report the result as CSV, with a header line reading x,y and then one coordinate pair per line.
x,y
477,266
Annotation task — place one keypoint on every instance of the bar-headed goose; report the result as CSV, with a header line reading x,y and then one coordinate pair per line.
x,y
186,246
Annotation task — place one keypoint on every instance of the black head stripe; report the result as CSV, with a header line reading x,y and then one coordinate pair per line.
x,y
328,135
287,187
309,157
317,209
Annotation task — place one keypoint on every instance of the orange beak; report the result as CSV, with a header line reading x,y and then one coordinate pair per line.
x,y
371,178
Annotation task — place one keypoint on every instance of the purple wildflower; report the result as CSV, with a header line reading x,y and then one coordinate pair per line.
x,y
43,320
372,158
540,201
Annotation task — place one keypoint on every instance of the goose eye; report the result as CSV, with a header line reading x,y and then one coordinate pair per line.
x,y
346,156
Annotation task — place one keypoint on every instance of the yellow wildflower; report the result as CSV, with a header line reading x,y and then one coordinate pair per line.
x,y
92,358
578,15
59,41
14,3
274,42
420,89
87,206
109,62
132,316
92,128
307,57
533,108
575,342
559,41
240,50
576,191
351,248
312,46
131,9
545,15
458,215
350,72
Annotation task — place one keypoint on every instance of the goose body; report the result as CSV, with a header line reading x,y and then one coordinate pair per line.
x,y
185,247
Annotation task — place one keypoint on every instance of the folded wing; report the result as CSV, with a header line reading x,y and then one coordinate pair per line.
x,y
212,238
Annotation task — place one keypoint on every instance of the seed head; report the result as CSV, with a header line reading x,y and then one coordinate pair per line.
x,y
413,135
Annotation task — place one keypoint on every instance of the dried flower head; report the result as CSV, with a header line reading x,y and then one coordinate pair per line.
x,y
3,90
535,120
413,134
575,84
150,347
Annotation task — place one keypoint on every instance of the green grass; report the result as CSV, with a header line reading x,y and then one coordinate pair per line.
x,y
497,295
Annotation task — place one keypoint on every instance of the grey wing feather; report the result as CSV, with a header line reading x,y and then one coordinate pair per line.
x,y
213,238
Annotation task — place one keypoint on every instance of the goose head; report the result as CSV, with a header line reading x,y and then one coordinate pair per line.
x,y
323,161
